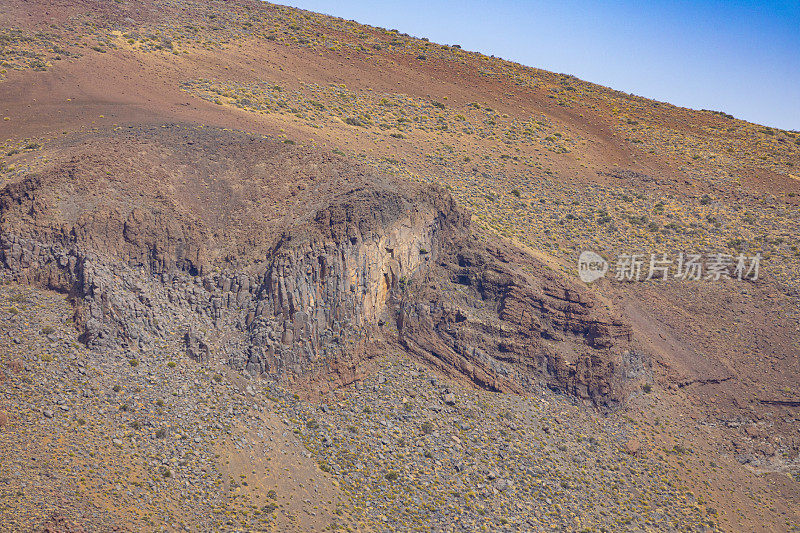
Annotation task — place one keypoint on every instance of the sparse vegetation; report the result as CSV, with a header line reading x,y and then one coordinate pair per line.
x,y
525,170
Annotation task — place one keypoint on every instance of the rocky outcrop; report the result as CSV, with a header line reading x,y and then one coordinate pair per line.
x,y
289,263
508,323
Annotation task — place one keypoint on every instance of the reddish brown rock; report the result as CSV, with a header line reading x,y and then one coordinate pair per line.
x,y
633,446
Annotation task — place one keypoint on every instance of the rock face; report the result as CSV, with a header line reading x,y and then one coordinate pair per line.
x,y
504,320
291,263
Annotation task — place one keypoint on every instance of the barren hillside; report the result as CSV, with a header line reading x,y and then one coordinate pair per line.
x,y
238,238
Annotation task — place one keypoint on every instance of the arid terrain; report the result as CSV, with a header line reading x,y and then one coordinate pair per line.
x,y
268,270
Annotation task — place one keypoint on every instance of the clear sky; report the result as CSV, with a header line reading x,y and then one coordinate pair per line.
x,y
740,57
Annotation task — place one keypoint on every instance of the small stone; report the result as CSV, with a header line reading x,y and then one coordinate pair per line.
x,y
48,413
449,398
744,458
633,446
117,442
753,431
504,484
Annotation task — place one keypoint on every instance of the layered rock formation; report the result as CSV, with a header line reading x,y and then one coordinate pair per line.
x,y
498,316
286,263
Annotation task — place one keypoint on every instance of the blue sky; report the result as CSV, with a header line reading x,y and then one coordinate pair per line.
x,y
736,56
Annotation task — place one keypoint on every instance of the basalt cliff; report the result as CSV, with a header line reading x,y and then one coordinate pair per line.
x,y
296,265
